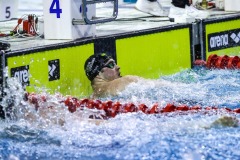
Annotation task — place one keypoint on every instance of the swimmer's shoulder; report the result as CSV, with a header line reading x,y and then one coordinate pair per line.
x,y
131,78
120,84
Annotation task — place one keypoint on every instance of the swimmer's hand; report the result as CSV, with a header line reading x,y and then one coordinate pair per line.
x,y
225,121
200,62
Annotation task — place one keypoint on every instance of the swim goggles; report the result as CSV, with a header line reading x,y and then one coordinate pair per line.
x,y
110,65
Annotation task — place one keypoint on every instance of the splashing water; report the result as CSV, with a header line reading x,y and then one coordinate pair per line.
x,y
129,136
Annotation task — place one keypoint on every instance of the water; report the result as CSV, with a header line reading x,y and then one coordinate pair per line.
x,y
132,136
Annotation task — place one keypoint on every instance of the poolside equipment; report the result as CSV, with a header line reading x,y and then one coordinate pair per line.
x,y
58,16
29,26
73,19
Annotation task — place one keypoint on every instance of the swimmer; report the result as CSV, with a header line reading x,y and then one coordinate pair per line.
x,y
106,79
105,76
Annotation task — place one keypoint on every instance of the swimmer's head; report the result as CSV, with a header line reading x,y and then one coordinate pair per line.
x,y
94,65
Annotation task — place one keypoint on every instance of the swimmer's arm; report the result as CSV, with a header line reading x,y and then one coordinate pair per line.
x,y
113,87
97,121
120,84
225,121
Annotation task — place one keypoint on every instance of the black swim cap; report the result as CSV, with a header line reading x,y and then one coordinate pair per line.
x,y
94,65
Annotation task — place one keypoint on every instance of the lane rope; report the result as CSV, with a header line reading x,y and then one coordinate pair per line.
x,y
112,109
220,62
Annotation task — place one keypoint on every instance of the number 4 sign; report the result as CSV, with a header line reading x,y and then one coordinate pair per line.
x,y
58,16
55,8
8,9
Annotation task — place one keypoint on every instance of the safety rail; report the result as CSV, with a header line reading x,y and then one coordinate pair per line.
x,y
95,20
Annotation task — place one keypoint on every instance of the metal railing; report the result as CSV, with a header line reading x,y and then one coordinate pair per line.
x,y
95,20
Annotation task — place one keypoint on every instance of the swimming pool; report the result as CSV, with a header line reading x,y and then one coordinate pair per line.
x,y
134,136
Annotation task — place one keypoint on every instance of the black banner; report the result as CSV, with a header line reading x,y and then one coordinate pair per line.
x,y
222,40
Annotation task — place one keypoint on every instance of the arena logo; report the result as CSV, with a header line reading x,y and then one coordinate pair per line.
x,y
22,74
222,40
218,41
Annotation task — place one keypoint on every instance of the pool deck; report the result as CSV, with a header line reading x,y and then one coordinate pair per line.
x,y
129,20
